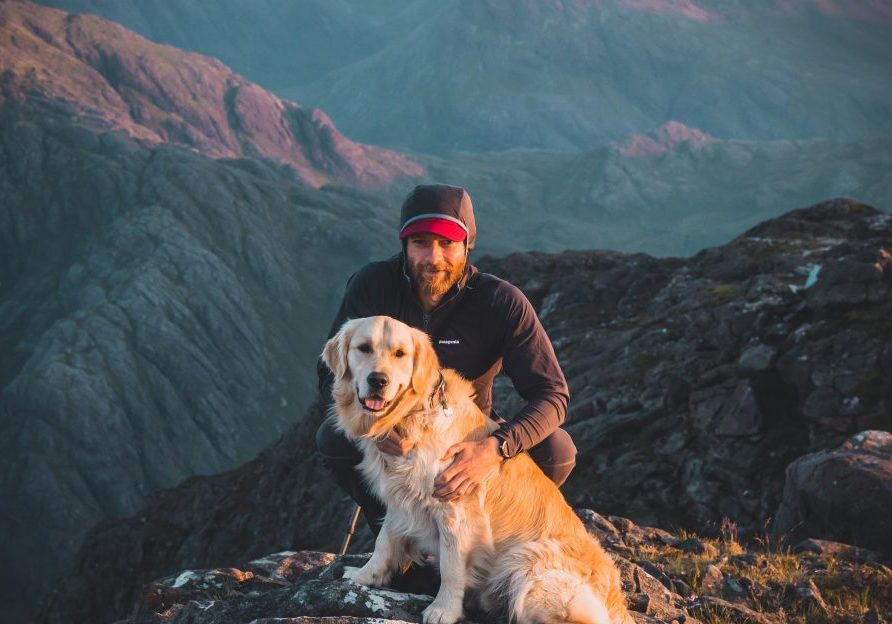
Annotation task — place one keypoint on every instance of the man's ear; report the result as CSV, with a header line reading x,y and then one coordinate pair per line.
x,y
335,352
425,364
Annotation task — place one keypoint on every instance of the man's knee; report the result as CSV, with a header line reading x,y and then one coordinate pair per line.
x,y
555,455
333,445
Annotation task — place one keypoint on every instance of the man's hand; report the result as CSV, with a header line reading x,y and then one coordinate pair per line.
x,y
394,444
473,463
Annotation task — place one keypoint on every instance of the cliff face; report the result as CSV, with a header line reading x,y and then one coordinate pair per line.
x,y
159,290
155,322
695,382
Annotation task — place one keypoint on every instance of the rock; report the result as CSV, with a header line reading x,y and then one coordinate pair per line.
x,y
837,550
319,593
606,533
290,566
712,581
756,359
696,546
710,608
842,495
741,415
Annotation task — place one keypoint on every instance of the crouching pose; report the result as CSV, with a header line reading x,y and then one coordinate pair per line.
x,y
479,325
511,540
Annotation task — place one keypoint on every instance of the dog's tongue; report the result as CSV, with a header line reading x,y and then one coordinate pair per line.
x,y
373,403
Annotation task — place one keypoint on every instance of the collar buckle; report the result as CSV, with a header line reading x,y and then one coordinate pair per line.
x,y
439,396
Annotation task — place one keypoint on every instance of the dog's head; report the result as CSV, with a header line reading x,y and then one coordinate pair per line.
x,y
381,368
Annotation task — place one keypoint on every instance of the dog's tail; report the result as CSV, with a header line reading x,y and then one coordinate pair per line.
x,y
543,584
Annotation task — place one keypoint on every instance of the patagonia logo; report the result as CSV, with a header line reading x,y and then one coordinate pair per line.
x,y
448,342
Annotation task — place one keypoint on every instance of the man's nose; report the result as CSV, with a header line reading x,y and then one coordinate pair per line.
x,y
377,380
435,253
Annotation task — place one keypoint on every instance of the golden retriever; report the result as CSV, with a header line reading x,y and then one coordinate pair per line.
x,y
513,540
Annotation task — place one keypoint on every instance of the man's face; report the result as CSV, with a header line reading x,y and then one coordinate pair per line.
x,y
435,263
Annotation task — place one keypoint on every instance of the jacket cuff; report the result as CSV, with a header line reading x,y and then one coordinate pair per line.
x,y
503,435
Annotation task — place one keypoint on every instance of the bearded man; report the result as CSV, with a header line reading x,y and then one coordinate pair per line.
x,y
479,325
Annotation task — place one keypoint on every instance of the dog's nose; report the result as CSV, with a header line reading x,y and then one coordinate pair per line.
x,y
377,380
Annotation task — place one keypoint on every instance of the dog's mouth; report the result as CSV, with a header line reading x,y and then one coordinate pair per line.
x,y
373,403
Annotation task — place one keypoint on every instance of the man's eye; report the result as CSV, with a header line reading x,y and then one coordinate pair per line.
x,y
365,348
399,353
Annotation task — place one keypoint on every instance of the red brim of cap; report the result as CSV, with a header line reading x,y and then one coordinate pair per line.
x,y
441,227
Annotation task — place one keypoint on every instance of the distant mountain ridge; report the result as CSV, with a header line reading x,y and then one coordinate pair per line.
x,y
111,78
570,75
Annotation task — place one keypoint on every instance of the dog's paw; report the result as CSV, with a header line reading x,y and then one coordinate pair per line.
x,y
443,612
364,576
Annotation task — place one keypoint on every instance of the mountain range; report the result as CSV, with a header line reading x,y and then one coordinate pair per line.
x,y
174,239
436,77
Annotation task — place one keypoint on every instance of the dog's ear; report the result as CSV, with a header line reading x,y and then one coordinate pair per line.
x,y
425,364
335,352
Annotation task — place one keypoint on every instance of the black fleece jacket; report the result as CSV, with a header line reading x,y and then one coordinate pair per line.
x,y
483,324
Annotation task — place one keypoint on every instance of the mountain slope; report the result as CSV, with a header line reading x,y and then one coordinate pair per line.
x,y
439,76
160,314
694,382
689,195
488,76
111,78
160,310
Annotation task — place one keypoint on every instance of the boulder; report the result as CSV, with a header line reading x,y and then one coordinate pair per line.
x,y
843,494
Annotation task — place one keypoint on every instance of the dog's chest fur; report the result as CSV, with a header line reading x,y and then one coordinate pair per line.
x,y
407,483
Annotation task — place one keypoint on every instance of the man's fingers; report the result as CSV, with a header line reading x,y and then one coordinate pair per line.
x,y
447,492
453,450
449,485
450,473
461,491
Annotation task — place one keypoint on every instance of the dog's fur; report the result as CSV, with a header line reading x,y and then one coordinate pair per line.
x,y
514,540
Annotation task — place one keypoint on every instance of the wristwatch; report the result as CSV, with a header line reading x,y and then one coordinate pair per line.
x,y
503,447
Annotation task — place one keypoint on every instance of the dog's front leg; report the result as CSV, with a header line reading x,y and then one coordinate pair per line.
x,y
456,542
386,558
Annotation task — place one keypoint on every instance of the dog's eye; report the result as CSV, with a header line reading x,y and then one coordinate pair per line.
x,y
399,353
365,348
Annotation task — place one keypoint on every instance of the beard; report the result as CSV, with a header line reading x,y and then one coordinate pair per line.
x,y
436,285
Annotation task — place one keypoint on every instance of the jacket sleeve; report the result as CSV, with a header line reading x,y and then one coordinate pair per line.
x,y
531,364
351,307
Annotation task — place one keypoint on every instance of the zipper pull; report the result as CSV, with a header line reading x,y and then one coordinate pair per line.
x,y
425,319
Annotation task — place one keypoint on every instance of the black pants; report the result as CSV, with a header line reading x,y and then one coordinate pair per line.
x,y
555,455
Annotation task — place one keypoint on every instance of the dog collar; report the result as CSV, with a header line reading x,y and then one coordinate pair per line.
x,y
439,395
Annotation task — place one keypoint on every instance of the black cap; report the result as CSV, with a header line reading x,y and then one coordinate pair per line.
x,y
440,201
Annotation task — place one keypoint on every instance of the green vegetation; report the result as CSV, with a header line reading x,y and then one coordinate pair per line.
x,y
803,588
723,293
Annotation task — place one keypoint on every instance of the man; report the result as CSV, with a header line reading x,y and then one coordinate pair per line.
x,y
478,324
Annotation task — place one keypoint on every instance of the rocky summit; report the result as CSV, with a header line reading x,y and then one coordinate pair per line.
x,y
695,383
667,578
